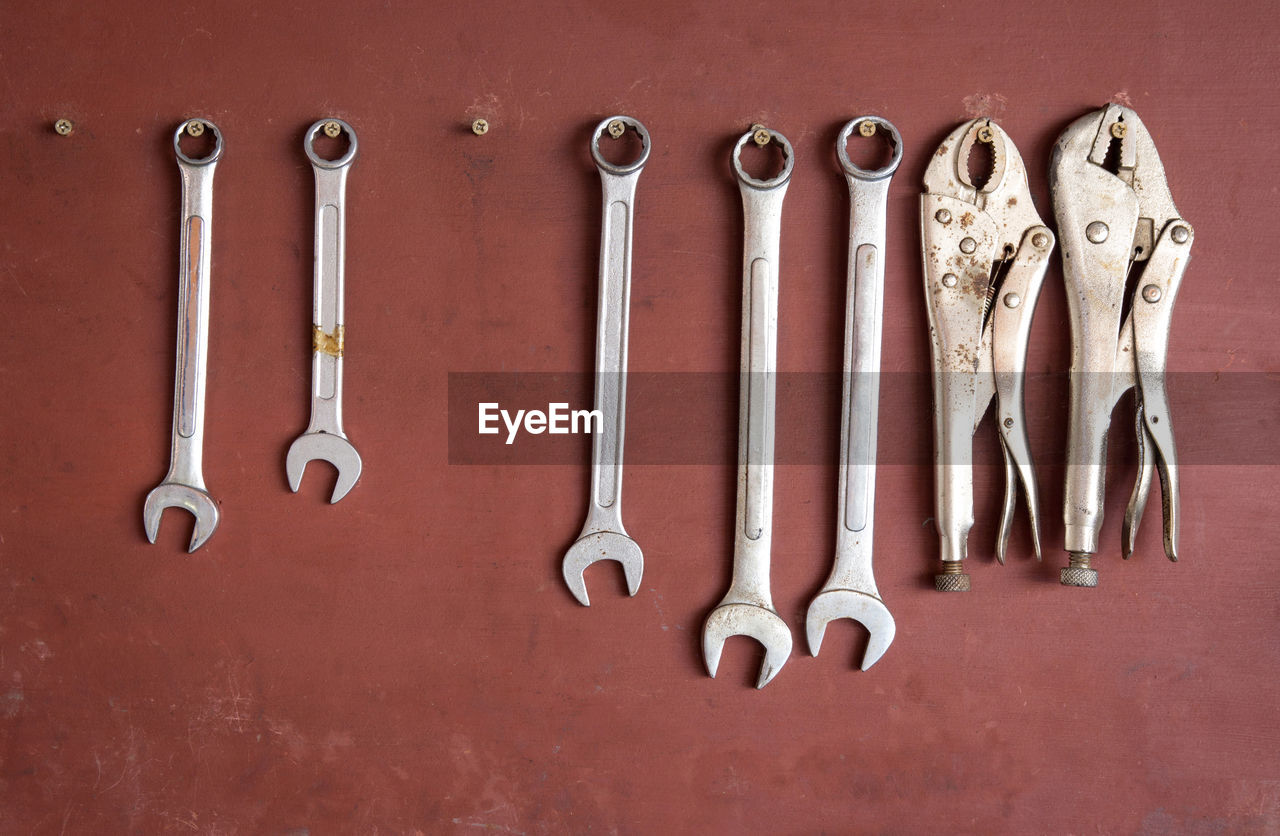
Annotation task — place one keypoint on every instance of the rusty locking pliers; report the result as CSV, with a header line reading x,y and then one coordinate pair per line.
x,y
985,254
1114,212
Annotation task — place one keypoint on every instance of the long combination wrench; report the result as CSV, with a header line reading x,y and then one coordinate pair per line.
x,y
602,536
324,438
747,608
850,591
183,486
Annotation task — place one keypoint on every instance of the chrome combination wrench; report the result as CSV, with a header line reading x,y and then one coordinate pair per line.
x,y
747,608
602,536
850,591
183,486
324,438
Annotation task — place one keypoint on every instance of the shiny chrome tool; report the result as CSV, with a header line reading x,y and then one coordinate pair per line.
x,y
324,438
602,536
985,255
1118,224
183,486
850,591
747,608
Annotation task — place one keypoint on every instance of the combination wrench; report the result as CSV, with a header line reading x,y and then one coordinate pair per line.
x,y
324,438
183,486
850,591
747,608
602,536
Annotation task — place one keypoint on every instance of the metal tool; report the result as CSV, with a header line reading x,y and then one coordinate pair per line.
x,y
324,438
183,485
1118,223
747,608
850,591
602,536
985,254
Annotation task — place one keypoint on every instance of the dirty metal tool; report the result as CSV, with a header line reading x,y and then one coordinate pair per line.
x,y
324,438
747,608
183,486
985,255
602,536
1118,225
850,591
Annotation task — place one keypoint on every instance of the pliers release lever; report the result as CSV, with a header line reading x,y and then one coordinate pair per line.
x,y
1118,223
985,255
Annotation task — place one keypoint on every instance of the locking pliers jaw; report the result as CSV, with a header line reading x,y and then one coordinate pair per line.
x,y
1116,217
985,254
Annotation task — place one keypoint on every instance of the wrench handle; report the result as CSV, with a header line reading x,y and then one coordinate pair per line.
x,y
618,189
864,318
194,263
328,330
762,219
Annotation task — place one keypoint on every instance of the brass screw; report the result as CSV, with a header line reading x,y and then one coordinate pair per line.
x,y
64,127
332,129
617,128
480,127
986,134
760,135
867,128
1119,129
195,128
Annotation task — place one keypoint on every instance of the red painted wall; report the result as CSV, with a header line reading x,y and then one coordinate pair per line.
x,y
410,659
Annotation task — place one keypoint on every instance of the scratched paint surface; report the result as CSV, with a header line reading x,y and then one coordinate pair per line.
x,y
410,659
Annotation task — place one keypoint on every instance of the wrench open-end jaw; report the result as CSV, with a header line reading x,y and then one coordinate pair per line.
x,y
747,609
602,536
1118,225
324,438
850,591
985,255
183,486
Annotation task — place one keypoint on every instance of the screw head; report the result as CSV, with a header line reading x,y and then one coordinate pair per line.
x,y
760,135
867,128
943,216
986,134
480,127
1040,240
949,280
332,129
1096,232
195,128
64,127
1008,422
1151,293
1012,300
968,245
1119,129
1180,234
617,128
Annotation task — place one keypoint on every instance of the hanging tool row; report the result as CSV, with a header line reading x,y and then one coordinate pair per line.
x,y
183,486
985,252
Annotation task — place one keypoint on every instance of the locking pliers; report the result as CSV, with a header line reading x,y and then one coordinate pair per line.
x,y
1117,221
985,255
